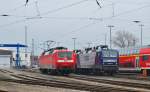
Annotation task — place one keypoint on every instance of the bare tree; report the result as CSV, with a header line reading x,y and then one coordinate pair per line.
x,y
124,39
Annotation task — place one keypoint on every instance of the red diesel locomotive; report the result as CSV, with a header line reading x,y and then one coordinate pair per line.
x,y
57,60
135,59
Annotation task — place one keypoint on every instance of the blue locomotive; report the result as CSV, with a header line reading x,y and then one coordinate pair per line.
x,y
97,60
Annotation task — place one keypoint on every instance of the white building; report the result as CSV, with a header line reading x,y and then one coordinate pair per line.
x,y
5,56
8,58
24,58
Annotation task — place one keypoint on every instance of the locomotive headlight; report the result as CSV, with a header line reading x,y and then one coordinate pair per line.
x,y
69,60
110,60
64,60
60,60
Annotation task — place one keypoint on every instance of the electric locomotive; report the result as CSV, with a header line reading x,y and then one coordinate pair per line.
x,y
97,60
57,60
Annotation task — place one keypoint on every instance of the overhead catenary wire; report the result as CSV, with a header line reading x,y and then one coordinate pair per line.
x,y
126,12
35,17
128,3
19,7
12,23
30,17
101,19
48,12
27,18
64,7
67,6
70,18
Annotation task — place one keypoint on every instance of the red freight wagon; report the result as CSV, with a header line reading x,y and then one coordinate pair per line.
x,y
135,59
57,60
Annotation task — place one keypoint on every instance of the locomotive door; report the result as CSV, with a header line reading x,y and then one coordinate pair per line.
x,y
137,62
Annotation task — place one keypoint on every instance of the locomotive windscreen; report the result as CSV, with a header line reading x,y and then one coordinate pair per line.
x,y
109,53
65,54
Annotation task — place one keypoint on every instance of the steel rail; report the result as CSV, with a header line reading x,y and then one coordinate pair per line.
x,y
26,79
114,82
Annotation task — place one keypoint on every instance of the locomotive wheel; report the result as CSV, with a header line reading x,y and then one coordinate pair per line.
x,y
52,72
44,71
111,73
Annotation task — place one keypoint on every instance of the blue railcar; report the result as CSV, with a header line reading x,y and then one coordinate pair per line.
x,y
97,60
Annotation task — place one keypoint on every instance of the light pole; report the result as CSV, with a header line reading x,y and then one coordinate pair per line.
x,y
141,28
110,27
32,53
105,38
26,43
74,39
141,25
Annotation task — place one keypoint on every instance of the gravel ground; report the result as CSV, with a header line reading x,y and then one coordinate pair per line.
x,y
14,87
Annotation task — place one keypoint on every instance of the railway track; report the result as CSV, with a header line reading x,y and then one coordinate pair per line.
x,y
78,84
133,76
134,84
3,91
5,71
54,83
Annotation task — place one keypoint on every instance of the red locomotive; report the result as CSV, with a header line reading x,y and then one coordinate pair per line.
x,y
57,60
135,59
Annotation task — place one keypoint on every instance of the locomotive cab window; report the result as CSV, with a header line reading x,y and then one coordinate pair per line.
x,y
65,54
109,53
145,57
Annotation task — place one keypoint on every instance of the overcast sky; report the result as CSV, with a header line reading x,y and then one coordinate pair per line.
x,y
63,20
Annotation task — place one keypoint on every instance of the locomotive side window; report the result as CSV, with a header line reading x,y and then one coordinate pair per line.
x,y
145,57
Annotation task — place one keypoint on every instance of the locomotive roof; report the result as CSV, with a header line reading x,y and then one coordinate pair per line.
x,y
95,49
56,48
62,50
136,50
145,51
51,50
